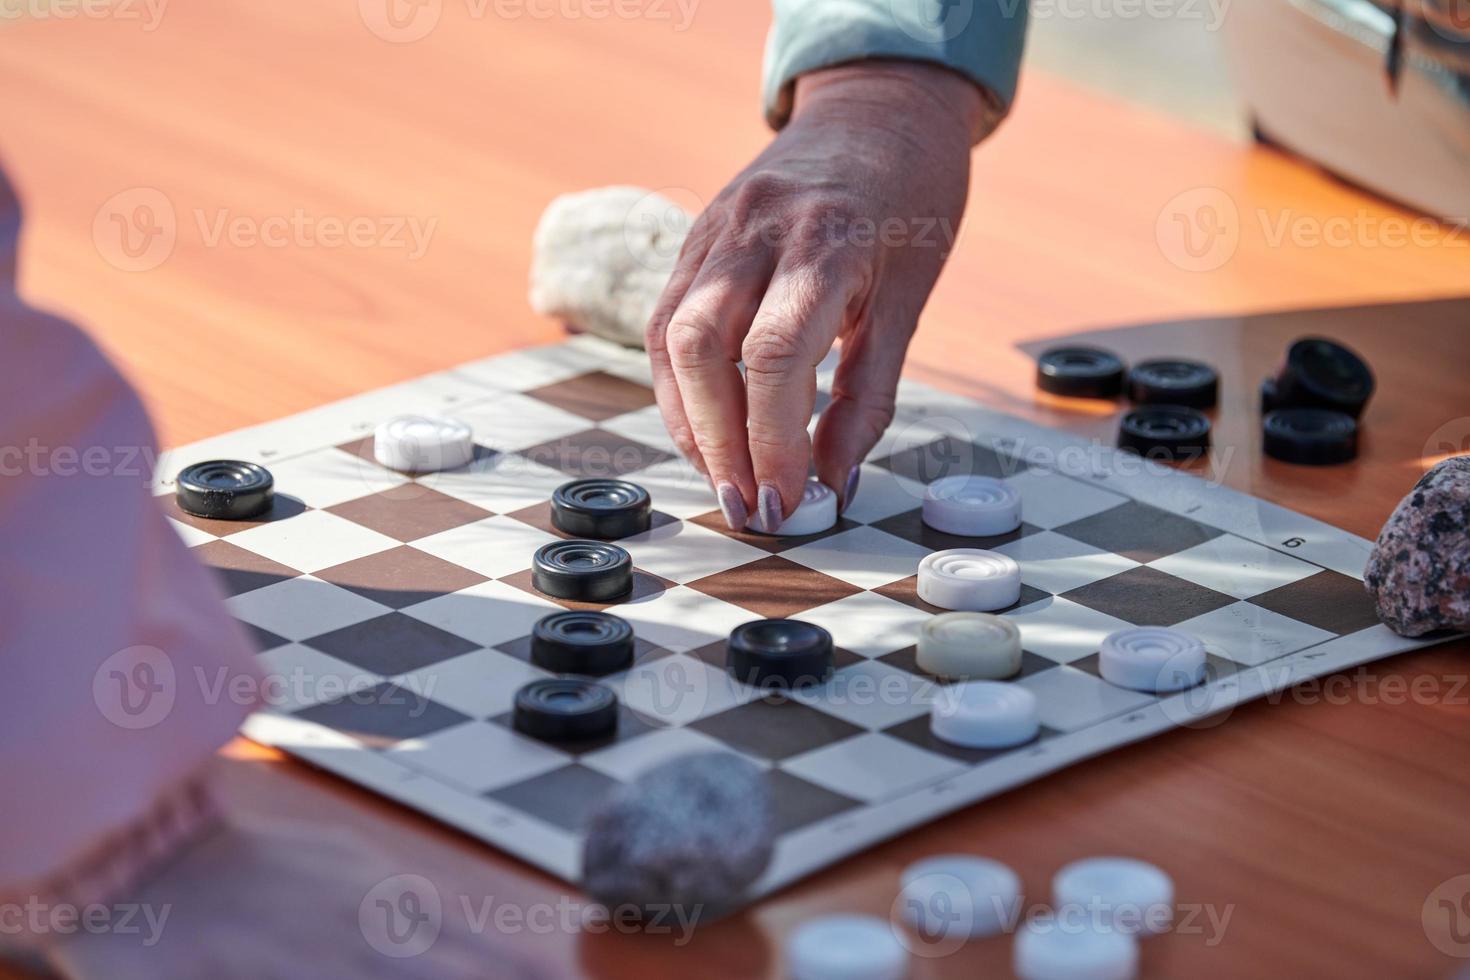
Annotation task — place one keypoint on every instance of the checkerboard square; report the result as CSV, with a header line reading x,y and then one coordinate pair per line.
x,y
678,690
950,456
488,614
1328,600
296,676
872,767
302,607
563,797
916,732
197,529
799,803
596,395
906,591
1251,635
313,540
1050,499
870,694
332,476
775,727
882,493
1055,563
502,483
478,757
628,759
868,624
1146,596
864,556
382,715
774,587
677,488
1061,630
595,453
1236,567
1139,531
511,422
493,547
406,517
191,536
646,425
263,640
239,570
773,544
1070,699
682,551
910,527
682,619
391,644
480,684
400,577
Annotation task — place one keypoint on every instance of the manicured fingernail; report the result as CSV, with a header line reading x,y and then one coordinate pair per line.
x,y
732,505
769,503
849,489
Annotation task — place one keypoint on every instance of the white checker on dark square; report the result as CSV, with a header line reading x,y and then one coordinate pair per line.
x,y
296,676
391,644
302,607
872,767
868,624
919,733
863,556
382,715
871,694
682,551
493,547
628,759
478,756
1235,566
480,684
1049,499
1061,630
489,613
313,540
907,659
1251,635
910,526
1055,563
1145,596
1069,699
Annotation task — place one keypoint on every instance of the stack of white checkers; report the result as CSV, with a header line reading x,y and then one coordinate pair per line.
x,y
1100,909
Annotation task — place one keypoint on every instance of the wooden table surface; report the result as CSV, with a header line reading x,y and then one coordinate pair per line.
x,y
1321,825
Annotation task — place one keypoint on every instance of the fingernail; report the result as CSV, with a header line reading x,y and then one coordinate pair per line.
x,y
849,489
769,503
732,505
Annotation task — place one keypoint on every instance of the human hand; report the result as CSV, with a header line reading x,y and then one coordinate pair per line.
x,y
838,229
282,900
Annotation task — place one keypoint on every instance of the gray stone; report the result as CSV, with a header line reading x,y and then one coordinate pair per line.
x,y
693,832
600,259
1419,572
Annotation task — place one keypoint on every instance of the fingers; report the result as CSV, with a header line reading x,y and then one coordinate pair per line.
x,y
862,404
665,386
803,312
703,341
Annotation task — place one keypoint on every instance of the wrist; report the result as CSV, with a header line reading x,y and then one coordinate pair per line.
x,y
929,100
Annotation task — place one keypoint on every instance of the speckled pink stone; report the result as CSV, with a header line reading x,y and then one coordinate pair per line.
x,y
1419,572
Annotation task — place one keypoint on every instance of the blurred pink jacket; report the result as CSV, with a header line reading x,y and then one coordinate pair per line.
x,y
117,647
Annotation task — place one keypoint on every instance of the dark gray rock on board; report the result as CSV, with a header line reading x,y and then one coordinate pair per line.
x,y
693,832
1419,572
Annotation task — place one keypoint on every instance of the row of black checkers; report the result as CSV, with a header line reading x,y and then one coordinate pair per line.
x,y
1310,407
768,653
779,653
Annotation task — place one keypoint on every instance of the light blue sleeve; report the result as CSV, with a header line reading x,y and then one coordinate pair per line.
x,y
981,39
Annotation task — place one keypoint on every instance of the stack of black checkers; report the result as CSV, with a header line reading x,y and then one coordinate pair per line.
x,y
225,490
779,653
1311,406
605,509
1170,393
